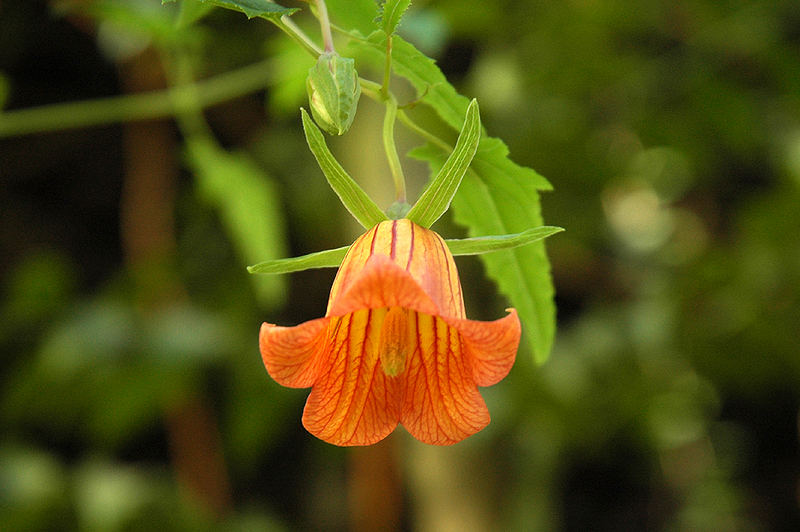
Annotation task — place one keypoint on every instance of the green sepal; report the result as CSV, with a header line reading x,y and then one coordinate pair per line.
x,y
398,210
251,8
390,12
352,196
436,198
487,244
330,258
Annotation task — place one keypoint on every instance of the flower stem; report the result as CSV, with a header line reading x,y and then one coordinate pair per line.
x,y
142,106
287,25
422,132
325,26
391,150
188,114
371,89
387,68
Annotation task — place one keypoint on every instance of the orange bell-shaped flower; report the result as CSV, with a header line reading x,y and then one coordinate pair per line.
x,y
394,346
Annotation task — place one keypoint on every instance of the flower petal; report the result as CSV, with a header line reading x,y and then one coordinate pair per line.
x,y
292,355
353,401
382,284
490,346
442,405
419,252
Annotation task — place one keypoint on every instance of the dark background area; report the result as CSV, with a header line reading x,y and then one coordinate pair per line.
x,y
132,393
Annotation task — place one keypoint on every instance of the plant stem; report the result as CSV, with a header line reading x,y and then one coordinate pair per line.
x,y
387,68
287,25
143,106
325,26
371,89
422,132
391,150
189,115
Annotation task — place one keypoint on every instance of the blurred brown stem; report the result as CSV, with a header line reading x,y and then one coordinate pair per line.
x,y
148,240
375,488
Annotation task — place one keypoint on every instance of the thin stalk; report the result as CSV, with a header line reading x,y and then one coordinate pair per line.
x,y
371,89
287,25
325,26
387,68
391,150
189,113
422,132
155,104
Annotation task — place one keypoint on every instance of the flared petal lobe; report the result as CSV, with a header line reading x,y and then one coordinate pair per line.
x,y
395,346
353,402
292,355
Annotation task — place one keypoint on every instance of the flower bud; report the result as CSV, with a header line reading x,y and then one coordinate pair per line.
x,y
333,92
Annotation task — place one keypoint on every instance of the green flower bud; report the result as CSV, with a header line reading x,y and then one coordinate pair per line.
x,y
333,92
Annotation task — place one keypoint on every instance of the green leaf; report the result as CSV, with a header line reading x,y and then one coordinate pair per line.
x,y
352,196
436,198
248,205
251,8
391,11
488,244
330,258
523,273
435,91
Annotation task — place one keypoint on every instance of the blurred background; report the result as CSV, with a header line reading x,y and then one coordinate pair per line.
x,y
132,393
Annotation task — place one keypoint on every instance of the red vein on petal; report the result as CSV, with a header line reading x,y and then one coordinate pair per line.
x,y
411,247
393,246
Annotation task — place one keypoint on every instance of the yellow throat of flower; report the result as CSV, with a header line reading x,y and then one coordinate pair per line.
x,y
395,340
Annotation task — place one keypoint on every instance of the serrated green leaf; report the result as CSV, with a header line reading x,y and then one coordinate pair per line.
x,y
352,196
248,205
523,273
330,258
435,199
435,91
489,244
252,8
391,11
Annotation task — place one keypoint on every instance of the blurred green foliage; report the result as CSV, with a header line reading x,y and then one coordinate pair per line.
x,y
671,134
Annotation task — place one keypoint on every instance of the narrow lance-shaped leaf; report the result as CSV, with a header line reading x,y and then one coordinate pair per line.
x,y
330,258
436,198
391,11
251,8
352,196
487,244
